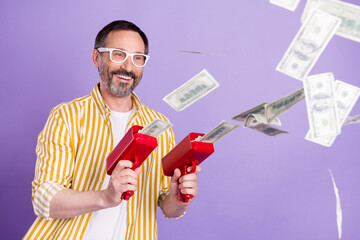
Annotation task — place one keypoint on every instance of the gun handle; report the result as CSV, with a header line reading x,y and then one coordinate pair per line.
x,y
184,171
128,194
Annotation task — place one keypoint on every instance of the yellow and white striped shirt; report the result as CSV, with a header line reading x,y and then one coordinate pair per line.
x,y
71,151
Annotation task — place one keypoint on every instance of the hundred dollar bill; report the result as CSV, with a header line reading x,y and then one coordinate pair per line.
x,y
262,119
191,91
338,206
349,13
257,109
206,53
321,105
259,112
288,4
274,109
308,44
156,128
252,122
346,96
352,119
219,132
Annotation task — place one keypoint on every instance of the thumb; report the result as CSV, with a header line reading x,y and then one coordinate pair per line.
x,y
175,177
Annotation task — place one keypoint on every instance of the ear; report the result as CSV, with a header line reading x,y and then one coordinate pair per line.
x,y
95,57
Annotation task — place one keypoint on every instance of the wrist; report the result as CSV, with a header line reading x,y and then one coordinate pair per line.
x,y
102,200
174,207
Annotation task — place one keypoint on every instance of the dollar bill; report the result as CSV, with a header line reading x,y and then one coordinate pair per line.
x,y
288,4
321,105
352,119
219,132
349,13
262,119
260,109
338,206
252,122
346,96
191,91
206,53
259,112
274,109
308,44
156,128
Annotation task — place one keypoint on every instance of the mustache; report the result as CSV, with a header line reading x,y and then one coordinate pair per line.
x,y
126,73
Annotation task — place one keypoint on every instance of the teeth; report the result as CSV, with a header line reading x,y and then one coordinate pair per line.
x,y
123,76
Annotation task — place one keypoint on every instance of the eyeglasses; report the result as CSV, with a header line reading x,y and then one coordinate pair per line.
x,y
119,56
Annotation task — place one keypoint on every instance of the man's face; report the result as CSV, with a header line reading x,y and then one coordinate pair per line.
x,y
120,79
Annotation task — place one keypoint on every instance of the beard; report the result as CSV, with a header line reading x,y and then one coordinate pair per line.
x,y
123,89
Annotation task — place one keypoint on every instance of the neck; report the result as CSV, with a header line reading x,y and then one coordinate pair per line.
x,y
115,103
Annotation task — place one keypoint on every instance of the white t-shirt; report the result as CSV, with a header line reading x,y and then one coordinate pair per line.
x,y
110,223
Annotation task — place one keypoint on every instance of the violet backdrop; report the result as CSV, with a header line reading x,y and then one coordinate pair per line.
x,y
254,186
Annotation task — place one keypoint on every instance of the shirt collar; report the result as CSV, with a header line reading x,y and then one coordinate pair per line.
x,y
103,108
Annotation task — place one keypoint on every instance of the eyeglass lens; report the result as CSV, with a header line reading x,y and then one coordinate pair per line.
x,y
119,56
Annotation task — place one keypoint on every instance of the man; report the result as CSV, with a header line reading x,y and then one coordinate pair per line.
x,y
73,196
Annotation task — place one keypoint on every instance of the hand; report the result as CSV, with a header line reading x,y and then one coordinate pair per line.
x,y
122,179
186,184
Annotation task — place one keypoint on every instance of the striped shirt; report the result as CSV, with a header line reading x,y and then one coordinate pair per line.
x,y
71,153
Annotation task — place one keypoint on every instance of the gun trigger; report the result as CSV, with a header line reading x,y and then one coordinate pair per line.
x,y
193,165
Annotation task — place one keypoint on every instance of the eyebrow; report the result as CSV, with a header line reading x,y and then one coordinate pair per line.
x,y
127,50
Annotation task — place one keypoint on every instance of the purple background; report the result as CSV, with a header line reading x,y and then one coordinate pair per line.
x,y
253,186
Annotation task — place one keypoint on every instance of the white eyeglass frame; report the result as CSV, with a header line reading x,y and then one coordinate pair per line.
x,y
103,49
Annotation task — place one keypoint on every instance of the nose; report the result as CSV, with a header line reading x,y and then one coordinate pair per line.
x,y
127,64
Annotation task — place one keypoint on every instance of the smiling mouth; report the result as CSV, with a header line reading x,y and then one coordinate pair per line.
x,y
124,77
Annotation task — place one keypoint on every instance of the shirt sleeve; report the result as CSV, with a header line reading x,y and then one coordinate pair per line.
x,y
54,164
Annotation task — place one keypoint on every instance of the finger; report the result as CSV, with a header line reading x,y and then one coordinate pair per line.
x,y
190,191
198,170
128,187
114,193
120,184
173,187
176,176
188,184
188,177
124,172
127,180
122,164
138,171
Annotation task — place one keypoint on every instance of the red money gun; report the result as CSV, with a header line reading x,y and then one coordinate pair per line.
x,y
133,146
187,153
